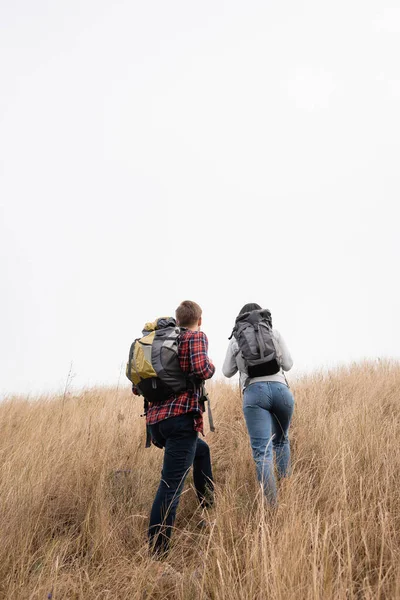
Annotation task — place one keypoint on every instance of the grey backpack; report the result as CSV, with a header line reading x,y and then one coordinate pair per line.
x,y
253,332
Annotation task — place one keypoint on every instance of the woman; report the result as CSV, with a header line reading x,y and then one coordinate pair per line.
x,y
268,406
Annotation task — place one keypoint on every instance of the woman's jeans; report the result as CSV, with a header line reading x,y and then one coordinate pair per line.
x,y
268,408
183,449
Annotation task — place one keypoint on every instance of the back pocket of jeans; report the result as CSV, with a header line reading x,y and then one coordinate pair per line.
x,y
286,395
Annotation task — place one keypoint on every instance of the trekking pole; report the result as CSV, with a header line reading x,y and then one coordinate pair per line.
x,y
209,412
210,417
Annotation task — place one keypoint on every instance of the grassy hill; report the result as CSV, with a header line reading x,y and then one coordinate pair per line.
x,y
77,485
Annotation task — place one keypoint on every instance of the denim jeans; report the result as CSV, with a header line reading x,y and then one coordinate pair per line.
x,y
183,448
268,408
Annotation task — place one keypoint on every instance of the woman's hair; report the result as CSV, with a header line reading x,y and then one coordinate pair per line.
x,y
253,306
249,307
188,313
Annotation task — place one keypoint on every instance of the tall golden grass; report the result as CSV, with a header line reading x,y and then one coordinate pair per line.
x,y
77,485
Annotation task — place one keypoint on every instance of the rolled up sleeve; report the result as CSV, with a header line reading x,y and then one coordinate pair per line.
x,y
202,366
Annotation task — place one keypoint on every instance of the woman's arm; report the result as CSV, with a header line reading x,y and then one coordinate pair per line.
x,y
230,367
285,357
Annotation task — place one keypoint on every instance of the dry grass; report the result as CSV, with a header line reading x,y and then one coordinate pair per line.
x,y
74,527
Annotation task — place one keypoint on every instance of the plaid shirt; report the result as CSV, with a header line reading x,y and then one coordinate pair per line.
x,y
192,352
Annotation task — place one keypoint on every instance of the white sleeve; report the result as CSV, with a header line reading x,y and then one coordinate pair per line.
x,y
229,368
284,354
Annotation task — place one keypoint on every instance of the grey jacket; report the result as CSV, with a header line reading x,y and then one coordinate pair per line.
x,y
234,362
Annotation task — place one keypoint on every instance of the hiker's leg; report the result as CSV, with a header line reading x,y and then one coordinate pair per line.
x,y
202,474
282,409
180,447
256,400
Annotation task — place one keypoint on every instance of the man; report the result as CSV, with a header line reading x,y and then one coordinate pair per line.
x,y
175,425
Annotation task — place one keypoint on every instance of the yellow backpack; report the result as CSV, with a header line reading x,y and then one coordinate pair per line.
x,y
153,364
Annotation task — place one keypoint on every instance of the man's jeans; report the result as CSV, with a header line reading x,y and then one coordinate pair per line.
x,y
268,408
183,449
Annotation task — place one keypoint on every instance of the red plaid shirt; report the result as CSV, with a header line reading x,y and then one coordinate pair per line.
x,y
192,352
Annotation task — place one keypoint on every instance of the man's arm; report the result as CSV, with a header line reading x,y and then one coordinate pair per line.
x,y
201,365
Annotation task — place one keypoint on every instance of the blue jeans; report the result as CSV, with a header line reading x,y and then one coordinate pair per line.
x,y
183,449
268,408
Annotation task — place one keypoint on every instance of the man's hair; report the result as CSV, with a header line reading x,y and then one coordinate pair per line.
x,y
188,313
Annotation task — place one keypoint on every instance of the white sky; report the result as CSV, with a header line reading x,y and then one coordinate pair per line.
x,y
224,152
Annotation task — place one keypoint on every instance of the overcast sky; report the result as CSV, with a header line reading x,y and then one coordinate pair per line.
x,y
224,152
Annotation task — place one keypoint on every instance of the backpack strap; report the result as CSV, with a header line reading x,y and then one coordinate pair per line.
x,y
204,398
148,434
210,417
260,339
148,437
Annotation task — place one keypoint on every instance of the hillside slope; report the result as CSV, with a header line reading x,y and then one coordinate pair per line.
x,y
77,485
